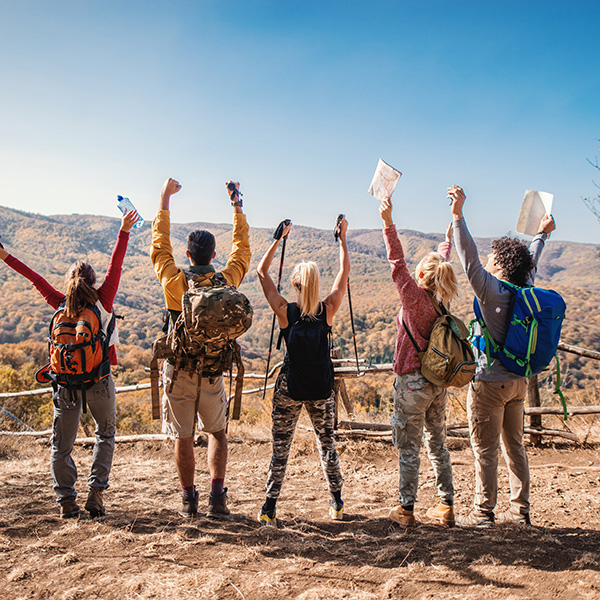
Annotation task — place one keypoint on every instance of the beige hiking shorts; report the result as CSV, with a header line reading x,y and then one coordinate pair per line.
x,y
179,405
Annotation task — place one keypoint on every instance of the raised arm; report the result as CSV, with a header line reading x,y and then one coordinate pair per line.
x,y
445,247
333,300
51,295
162,252
547,226
481,281
238,262
108,290
407,287
276,301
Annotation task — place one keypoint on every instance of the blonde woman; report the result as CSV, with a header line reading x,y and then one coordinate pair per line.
x,y
419,404
306,378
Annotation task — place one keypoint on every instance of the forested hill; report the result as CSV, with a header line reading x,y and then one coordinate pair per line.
x,y
49,244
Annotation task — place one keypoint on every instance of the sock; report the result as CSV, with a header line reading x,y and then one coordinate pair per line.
x,y
269,505
410,507
337,497
216,487
188,491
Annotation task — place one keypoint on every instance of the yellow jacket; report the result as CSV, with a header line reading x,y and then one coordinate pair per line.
x,y
173,279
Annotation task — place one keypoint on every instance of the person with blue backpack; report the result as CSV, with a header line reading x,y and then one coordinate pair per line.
x,y
306,378
495,401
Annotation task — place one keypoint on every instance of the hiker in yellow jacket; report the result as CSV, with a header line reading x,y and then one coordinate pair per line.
x,y
179,404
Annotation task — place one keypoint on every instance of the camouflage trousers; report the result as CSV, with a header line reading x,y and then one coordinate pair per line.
x,y
418,405
286,412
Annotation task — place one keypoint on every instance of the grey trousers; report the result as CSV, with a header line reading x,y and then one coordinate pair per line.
x,y
419,405
286,412
101,402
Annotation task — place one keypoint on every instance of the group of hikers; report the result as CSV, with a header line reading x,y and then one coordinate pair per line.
x,y
194,396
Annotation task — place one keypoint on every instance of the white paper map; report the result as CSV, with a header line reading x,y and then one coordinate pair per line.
x,y
384,181
535,205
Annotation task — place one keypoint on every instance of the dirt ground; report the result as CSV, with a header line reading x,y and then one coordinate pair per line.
x,y
143,549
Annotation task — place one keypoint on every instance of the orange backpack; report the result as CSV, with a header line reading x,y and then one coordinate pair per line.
x,y
78,348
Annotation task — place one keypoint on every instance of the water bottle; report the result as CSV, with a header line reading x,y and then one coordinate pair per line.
x,y
126,205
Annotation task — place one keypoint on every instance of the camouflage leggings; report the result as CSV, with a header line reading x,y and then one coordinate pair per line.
x,y
419,404
285,414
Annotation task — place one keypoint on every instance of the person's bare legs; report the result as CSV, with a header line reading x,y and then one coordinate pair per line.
x,y
217,454
185,461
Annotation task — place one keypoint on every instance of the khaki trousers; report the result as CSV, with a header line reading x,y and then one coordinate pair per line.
x,y
496,410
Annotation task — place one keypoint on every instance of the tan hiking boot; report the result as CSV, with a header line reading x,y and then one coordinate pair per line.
x,y
69,509
403,516
443,513
217,506
476,518
513,516
94,504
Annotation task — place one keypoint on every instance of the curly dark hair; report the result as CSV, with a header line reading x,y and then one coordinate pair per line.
x,y
513,257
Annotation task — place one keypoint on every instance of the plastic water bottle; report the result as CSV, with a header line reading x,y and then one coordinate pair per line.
x,y
126,205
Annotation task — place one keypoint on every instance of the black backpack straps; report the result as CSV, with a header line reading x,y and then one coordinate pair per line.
x,y
412,339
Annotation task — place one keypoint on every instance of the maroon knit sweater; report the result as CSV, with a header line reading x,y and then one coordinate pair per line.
x,y
417,311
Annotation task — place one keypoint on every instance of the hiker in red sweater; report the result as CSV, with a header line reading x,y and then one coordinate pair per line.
x,y
80,292
418,403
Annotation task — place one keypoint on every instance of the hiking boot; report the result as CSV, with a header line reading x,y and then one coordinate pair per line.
x,y
189,506
476,518
69,509
267,517
513,516
336,511
94,504
443,513
217,506
403,516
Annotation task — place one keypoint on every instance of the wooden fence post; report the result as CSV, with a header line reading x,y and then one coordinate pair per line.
x,y
533,400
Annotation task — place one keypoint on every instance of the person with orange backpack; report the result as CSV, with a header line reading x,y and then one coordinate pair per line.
x,y
81,347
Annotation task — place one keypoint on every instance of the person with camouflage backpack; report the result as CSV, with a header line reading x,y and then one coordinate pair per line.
x,y
193,386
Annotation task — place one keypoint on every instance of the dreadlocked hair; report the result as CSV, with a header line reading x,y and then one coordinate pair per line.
x,y
305,279
437,276
80,291
514,259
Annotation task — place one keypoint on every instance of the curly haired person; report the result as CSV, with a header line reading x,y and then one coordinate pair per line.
x,y
495,401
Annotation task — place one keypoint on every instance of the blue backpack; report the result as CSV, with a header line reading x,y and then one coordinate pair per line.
x,y
533,332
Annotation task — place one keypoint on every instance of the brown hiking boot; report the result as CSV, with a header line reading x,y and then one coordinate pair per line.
x,y
94,504
403,516
189,506
217,505
69,509
443,513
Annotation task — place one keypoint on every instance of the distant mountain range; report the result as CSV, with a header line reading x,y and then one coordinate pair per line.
x,y
49,244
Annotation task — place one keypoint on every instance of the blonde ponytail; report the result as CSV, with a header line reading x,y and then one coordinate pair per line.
x,y
80,291
437,276
305,279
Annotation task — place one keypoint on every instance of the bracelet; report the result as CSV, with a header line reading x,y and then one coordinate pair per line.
x,y
236,202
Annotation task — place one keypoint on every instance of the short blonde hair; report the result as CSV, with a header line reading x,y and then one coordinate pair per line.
x,y
305,279
437,276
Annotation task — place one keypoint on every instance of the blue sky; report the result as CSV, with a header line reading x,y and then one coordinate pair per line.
x,y
298,101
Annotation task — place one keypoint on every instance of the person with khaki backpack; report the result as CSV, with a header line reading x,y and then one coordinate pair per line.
x,y
418,403
191,391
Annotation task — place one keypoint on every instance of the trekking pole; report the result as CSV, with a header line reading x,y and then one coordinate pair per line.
x,y
276,236
336,235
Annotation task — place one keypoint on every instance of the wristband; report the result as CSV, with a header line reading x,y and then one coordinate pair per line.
x,y
236,202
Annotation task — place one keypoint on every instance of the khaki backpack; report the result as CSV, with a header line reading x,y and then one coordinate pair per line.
x,y
204,336
448,360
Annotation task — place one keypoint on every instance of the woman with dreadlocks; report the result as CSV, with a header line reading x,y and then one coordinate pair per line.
x,y
80,300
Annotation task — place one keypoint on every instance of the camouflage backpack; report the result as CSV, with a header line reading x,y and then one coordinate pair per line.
x,y
203,338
